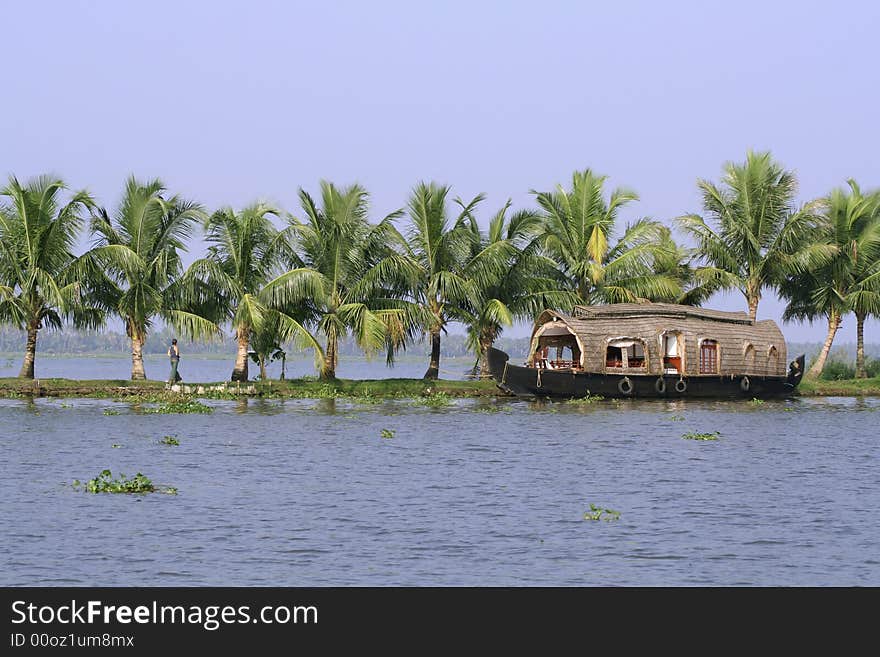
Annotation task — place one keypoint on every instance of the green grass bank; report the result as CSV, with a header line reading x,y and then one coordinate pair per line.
x,y
313,389
294,388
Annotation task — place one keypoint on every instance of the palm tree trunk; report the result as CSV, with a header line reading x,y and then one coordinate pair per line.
x,y
433,372
30,353
137,354
328,371
263,376
486,342
753,307
861,373
819,365
240,371
583,290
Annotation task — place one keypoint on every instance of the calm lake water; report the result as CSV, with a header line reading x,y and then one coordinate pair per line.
x,y
306,492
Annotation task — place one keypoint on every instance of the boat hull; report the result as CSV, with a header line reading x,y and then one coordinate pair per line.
x,y
532,382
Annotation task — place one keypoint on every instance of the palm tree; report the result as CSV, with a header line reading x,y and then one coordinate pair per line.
x,y
861,214
339,281
267,344
435,257
848,280
138,251
576,232
759,237
526,283
37,234
697,284
242,257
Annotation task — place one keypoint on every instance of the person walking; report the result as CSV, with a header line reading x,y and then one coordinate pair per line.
x,y
174,355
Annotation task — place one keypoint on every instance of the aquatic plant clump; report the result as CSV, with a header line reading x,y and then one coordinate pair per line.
x,y
598,513
589,399
169,440
367,395
105,483
434,400
387,433
715,435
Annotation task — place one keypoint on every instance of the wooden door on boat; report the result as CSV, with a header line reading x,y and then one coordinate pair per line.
x,y
708,357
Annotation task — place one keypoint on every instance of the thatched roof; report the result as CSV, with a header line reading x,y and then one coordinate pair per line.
x,y
658,309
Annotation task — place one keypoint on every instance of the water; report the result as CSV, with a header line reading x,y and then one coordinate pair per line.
x,y
307,492
202,369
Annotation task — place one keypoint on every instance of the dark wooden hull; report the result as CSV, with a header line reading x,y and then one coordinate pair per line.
x,y
531,382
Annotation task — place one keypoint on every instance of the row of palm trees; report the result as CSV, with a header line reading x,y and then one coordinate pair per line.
x,y
330,272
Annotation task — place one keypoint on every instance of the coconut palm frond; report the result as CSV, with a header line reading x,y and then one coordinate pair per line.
x,y
295,286
191,325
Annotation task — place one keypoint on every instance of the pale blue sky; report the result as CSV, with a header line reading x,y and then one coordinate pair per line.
x,y
230,102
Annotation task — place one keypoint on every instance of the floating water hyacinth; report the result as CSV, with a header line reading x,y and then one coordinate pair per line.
x,y
589,399
105,483
433,400
702,436
598,513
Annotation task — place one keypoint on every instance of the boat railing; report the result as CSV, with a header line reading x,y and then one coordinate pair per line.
x,y
555,364
633,363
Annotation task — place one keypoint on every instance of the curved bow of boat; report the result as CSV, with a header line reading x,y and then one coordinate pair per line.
x,y
497,365
795,371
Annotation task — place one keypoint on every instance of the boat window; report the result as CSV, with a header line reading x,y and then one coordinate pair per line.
x,y
749,357
614,357
773,359
625,352
556,347
637,355
708,357
672,352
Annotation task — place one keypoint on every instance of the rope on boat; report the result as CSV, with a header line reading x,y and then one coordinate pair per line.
x,y
540,385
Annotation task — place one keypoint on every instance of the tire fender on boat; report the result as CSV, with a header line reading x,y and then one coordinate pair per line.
x,y
681,385
625,386
660,385
745,384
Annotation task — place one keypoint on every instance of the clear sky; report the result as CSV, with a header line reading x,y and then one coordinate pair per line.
x,y
228,102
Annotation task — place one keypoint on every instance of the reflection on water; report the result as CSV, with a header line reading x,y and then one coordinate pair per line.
x,y
481,492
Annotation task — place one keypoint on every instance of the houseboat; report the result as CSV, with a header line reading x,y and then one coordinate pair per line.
x,y
650,350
